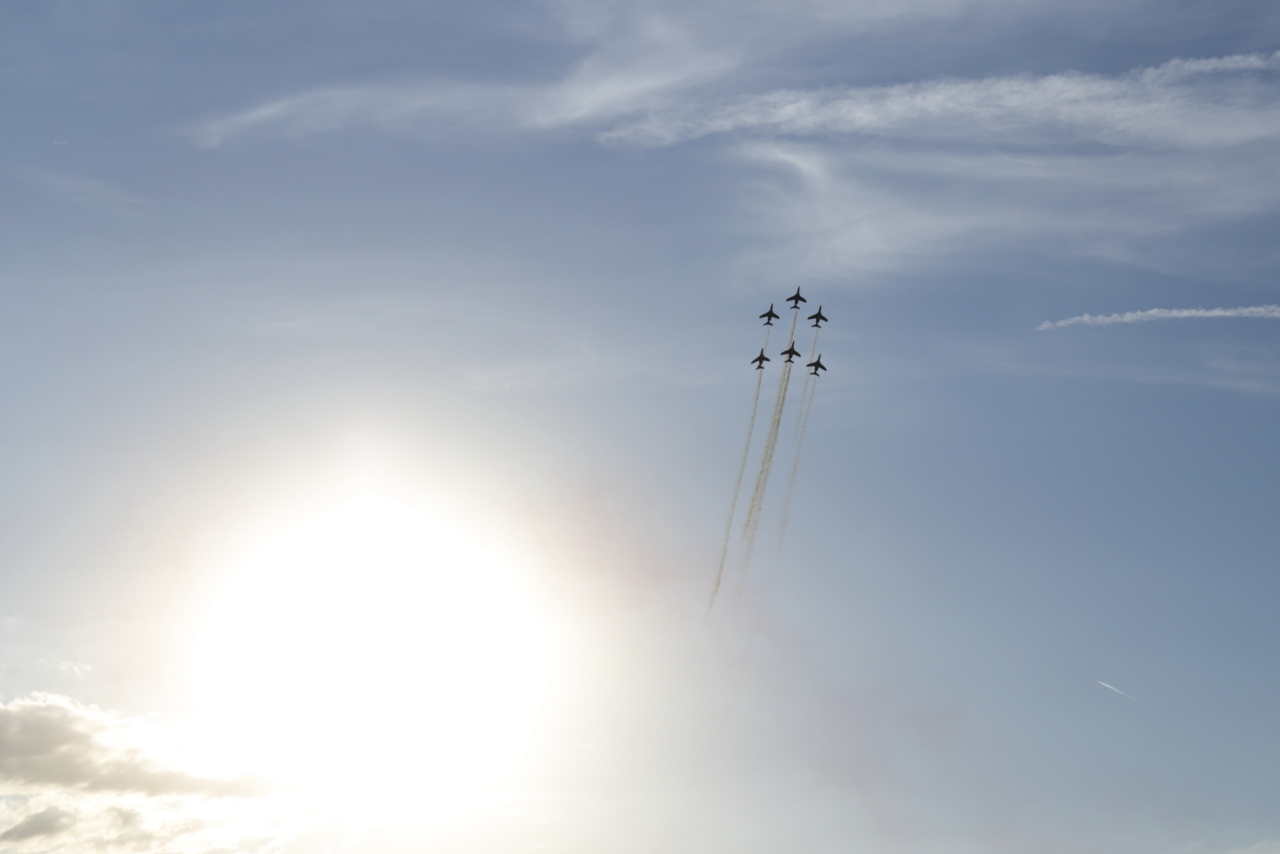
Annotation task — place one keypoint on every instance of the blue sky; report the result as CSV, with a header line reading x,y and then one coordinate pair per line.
x,y
507,259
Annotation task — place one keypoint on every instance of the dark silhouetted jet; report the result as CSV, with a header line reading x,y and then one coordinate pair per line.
x,y
818,318
759,361
790,352
817,365
795,299
771,317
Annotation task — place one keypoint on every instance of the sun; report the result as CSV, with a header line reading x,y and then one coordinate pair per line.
x,y
379,650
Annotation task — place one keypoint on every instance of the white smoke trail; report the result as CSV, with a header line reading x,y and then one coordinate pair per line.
x,y
752,523
766,464
1271,312
808,379
742,470
802,421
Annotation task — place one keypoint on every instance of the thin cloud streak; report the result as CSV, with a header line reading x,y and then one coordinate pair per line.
x,y
1118,691
89,193
1180,104
1183,104
615,80
1269,312
1108,164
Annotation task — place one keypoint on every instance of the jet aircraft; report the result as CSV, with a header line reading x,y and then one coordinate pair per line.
x,y
817,365
795,299
818,318
759,361
791,352
770,315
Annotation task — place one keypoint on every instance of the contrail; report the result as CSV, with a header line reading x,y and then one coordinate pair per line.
x,y
1271,312
766,457
1118,691
742,470
802,421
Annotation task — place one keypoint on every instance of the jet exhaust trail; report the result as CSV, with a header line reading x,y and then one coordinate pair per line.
x,y
752,523
802,421
1118,691
755,504
762,477
742,470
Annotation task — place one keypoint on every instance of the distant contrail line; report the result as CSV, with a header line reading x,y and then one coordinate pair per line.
x,y
742,470
1118,691
1269,312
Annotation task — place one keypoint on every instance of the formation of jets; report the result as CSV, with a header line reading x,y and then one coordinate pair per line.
x,y
791,353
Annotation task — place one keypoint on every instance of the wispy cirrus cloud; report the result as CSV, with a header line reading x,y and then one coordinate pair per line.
x,y
1183,103
883,179
657,59
830,211
876,179
90,193
1270,312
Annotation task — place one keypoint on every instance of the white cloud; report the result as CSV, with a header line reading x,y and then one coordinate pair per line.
x,y
386,107
881,179
47,740
49,821
657,58
82,779
1187,104
1271,312
828,211
1182,103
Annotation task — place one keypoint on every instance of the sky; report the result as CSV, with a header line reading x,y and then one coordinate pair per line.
x,y
376,377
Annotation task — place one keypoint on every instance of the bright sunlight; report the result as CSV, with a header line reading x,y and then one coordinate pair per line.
x,y
379,652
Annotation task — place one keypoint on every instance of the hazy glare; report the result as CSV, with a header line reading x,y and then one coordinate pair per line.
x,y
376,378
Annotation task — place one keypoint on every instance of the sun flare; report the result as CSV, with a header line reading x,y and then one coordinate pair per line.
x,y
380,651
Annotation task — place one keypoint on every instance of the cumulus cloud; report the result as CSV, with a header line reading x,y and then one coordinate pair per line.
x,y
50,741
90,823
80,778
50,821
1270,312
